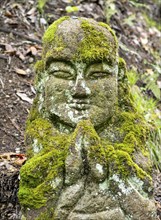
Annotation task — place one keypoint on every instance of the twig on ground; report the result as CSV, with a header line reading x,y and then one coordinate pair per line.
x,y
2,29
3,57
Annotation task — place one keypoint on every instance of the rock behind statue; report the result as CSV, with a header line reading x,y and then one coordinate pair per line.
x,y
86,143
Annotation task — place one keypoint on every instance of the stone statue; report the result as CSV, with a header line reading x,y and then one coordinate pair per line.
x,y
86,142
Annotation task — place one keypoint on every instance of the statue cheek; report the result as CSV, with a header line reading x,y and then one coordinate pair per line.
x,y
110,88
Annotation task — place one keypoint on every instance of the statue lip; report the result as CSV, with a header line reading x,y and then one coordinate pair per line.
x,y
79,106
80,101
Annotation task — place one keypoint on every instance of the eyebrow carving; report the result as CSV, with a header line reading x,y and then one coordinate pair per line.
x,y
51,60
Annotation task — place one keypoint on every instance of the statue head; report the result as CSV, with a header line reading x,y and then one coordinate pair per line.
x,y
80,69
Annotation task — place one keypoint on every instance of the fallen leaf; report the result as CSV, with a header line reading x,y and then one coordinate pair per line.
x,y
158,113
20,71
12,158
11,21
8,14
33,90
31,11
149,71
9,49
33,50
24,97
20,55
43,21
159,84
21,158
144,41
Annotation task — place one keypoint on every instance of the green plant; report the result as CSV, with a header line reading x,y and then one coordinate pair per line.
x,y
130,20
151,81
41,4
70,9
110,9
147,107
139,5
151,23
154,146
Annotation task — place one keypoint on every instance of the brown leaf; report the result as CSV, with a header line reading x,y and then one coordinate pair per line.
x,y
20,55
144,41
9,49
33,50
21,158
30,12
24,97
149,71
8,14
20,71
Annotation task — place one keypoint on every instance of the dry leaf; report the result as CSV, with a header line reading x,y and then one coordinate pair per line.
x,y
20,55
24,97
21,71
159,84
8,14
33,50
21,158
31,11
149,71
9,49
144,41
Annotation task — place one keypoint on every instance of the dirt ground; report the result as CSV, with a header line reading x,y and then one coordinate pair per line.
x,y
22,24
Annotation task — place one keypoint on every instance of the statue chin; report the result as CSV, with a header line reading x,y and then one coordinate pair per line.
x,y
71,117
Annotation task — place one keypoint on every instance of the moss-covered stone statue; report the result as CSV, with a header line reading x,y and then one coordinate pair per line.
x,y
86,142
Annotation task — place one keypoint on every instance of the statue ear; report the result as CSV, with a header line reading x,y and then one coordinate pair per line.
x,y
124,97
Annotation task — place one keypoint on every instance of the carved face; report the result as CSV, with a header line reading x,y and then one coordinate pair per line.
x,y
76,91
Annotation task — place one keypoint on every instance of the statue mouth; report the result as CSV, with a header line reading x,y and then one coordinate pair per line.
x,y
79,104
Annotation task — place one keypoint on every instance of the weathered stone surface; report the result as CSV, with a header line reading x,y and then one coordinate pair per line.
x,y
86,142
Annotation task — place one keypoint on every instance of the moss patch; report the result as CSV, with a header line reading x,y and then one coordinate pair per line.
x,y
95,44
49,36
41,176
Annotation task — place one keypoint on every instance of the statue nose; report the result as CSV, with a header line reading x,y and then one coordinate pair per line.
x,y
80,89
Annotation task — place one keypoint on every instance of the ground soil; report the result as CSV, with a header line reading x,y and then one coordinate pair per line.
x,y
22,25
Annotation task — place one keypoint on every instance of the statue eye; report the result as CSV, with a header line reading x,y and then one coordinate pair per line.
x,y
62,74
97,75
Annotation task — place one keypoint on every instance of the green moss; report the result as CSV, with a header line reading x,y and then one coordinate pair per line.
x,y
49,36
37,175
95,45
47,215
86,128
151,23
125,97
111,31
123,165
36,187
38,68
